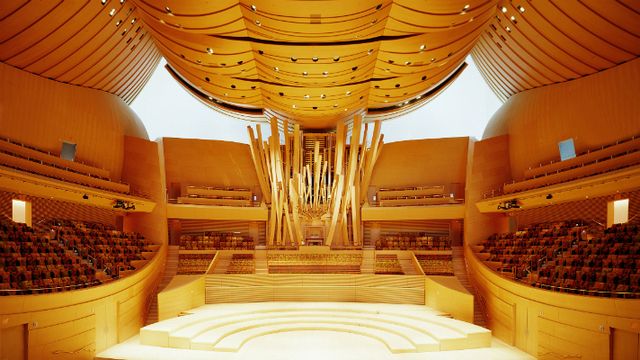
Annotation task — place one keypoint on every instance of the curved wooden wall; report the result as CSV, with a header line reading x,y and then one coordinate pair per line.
x,y
42,113
100,44
529,44
81,323
319,63
594,111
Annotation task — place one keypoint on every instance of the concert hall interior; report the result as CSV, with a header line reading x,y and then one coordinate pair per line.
x,y
315,237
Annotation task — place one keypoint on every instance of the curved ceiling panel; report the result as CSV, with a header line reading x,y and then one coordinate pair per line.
x,y
535,43
100,44
315,62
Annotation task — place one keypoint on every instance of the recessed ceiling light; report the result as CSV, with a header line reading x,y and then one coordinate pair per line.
x,y
209,51
348,93
315,59
322,96
306,96
433,59
521,8
407,63
118,23
207,79
304,73
370,52
253,8
354,68
508,29
513,18
294,106
294,59
379,7
325,73
336,58
466,7
103,2
423,47
424,77
335,105
503,9
276,68
112,12
210,98
133,21
121,1
168,10
258,23
226,94
397,85
233,86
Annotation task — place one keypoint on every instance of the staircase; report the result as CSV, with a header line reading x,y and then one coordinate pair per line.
x,y
368,261
170,270
460,271
405,259
260,259
222,263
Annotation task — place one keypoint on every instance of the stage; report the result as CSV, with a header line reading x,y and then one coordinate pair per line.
x,y
312,330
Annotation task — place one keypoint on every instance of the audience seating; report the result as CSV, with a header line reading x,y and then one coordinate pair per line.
x,y
388,264
436,264
36,161
194,264
214,240
114,252
31,262
241,264
612,157
413,241
570,257
204,195
414,196
331,263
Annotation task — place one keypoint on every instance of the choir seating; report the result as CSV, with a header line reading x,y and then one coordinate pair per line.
x,y
621,154
241,264
331,263
36,161
413,241
216,240
194,264
388,264
436,264
414,196
216,196
570,257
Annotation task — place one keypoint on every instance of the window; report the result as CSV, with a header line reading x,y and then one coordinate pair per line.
x,y
567,149
617,212
21,211
68,151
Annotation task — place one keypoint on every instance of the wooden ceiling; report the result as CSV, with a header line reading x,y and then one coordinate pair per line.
x,y
100,44
532,43
315,62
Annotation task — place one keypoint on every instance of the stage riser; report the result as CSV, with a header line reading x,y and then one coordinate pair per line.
x,y
359,288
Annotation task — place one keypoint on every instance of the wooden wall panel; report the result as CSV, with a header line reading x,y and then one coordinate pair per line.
x,y
42,113
397,289
488,168
595,110
45,209
144,170
209,162
421,162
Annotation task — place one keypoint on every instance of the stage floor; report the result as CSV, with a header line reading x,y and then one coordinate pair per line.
x,y
335,331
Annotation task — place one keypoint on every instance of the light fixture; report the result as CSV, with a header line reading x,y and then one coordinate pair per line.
x,y
325,73
209,51
85,196
276,68
253,8
306,96
508,29
314,59
503,9
521,8
304,73
423,47
112,12
258,23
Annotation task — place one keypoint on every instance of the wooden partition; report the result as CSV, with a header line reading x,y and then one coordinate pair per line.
x,y
397,289
81,323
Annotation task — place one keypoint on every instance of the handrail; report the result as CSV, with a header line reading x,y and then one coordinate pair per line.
x,y
587,291
5,292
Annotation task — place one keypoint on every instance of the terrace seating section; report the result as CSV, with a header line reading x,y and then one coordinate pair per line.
x,y
36,161
32,262
216,196
414,196
241,264
436,264
332,263
413,241
194,264
612,157
388,264
216,240
115,252
570,257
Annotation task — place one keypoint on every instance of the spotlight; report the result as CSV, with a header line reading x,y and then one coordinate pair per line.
x,y
508,205
549,196
85,196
